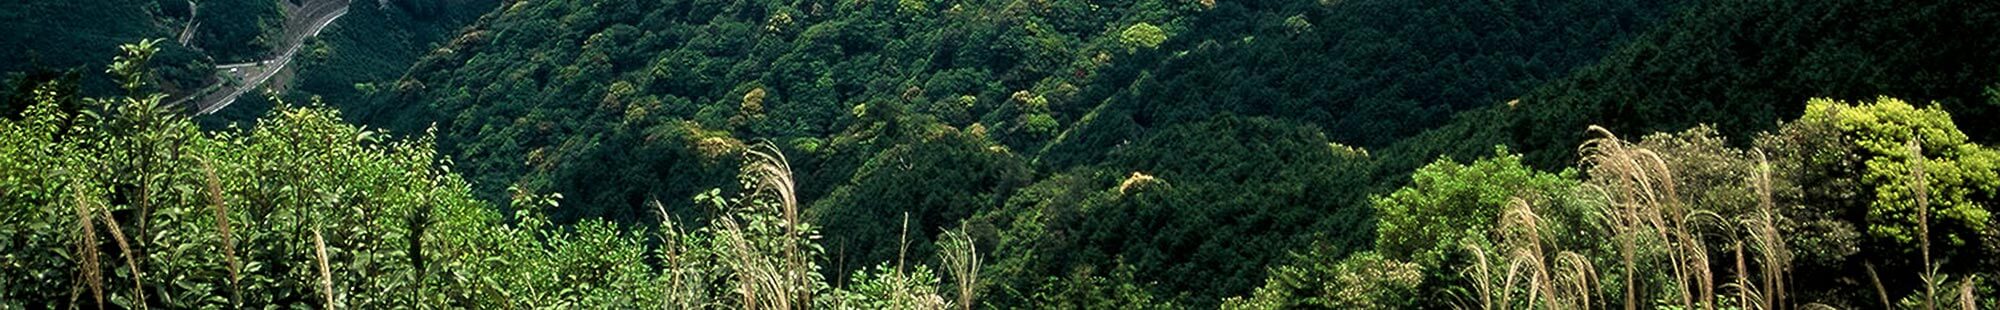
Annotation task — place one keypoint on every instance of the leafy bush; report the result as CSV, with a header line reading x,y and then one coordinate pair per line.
x,y
1449,204
1363,280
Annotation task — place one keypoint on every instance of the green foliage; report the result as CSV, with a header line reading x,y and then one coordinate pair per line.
x,y
1858,170
433,9
1744,66
913,7
1363,280
960,256
1686,221
1053,154
132,202
1448,205
885,287
1086,290
1367,78
81,36
935,183
587,94
369,48
1039,125
1961,180
1142,35
1446,221
1194,221
398,229
21,91
566,80
238,30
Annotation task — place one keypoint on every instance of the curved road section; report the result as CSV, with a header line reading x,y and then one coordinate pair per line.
x,y
304,21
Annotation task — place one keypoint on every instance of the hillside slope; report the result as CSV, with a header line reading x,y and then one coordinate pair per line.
x,y
624,103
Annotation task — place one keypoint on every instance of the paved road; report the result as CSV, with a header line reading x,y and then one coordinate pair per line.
x,y
187,31
305,21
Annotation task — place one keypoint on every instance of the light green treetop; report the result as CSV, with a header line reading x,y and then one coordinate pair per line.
x,y
1144,35
1960,176
1448,203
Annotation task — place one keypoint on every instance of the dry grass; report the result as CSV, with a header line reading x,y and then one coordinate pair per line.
x,y
1577,278
770,282
748,282
1880,292
1663,244
88,214
773,173
1765,290
325,273
86,246
1643,212
1645,215
118,235
761,282
677,290
1966,300
961,259
222,228
1644,202
1521,237
1923,223
1481,273
1564,280
1774,257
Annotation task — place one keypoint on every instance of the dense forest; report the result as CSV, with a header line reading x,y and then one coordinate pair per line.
x,y
959,154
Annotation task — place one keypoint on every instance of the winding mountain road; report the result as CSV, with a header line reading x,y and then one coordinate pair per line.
x,y
187,31
302,21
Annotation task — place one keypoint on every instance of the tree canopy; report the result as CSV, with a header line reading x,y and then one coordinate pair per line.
x,y
932,154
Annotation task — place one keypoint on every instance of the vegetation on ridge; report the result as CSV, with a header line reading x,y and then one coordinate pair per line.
x,y
921,154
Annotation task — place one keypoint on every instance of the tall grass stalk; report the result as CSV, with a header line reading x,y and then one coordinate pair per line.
x,y
961,259
118,235
674,254
222,228
903,244
1966,300
86,248
769,282
1521,233
1562,280
1922,187
1643,200
325,273
1651,223
1881,292
88,214
774,173
1774,257
1481,272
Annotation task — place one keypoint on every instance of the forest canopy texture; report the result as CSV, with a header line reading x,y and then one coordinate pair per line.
x,y
1038,154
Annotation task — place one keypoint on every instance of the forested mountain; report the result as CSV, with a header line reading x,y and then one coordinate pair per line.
x,y
1067,154
50,39
571,97
1743,66
363,52
374,44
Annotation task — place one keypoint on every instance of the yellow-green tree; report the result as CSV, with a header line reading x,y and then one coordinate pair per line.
x,y
1449,204
1897,142
1142,35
